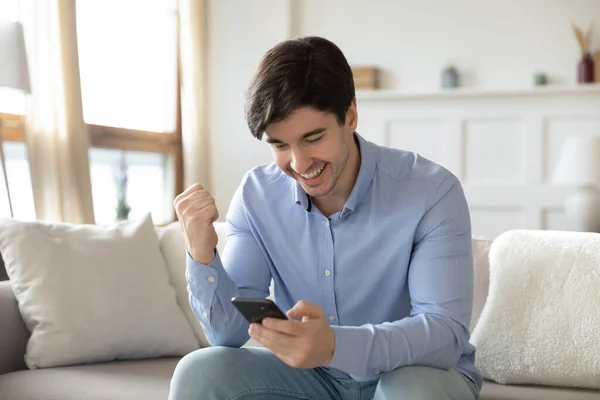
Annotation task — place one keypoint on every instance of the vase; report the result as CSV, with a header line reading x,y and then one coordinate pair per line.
x,y
450,78
585,71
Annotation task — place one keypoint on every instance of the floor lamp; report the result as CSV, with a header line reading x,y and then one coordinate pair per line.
x,y
14,74
579,167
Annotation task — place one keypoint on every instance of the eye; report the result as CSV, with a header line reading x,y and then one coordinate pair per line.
x,y
278,146
315,140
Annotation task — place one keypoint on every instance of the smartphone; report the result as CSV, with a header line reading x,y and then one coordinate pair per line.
x,y
255,310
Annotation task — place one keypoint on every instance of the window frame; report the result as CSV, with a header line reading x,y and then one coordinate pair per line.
x,y
12,129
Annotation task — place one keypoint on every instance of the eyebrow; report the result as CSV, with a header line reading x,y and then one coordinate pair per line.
x,y
305,136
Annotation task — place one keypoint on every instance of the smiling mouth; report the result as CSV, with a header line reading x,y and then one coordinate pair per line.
x,y
314,174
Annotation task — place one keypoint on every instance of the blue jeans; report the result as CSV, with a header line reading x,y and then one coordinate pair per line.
x,y
224,373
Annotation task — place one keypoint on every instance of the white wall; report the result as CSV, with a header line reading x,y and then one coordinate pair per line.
x,y
502,145
239,33
496,44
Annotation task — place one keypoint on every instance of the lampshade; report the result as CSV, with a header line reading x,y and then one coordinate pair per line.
x,y
579,162
13,58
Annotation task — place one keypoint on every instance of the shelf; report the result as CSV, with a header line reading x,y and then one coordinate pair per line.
x,y
466,93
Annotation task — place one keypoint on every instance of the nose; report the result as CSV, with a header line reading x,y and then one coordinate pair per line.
x,y
301,162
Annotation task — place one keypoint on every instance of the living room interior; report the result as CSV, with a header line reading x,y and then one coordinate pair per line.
x,y
110,108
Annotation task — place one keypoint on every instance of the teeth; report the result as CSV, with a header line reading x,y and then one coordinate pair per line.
x,y
313,174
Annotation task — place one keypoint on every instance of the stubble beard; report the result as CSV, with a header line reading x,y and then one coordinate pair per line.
x,y
336,173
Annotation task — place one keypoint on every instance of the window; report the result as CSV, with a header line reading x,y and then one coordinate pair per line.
x,y
128,63
12,104
128,66
146,174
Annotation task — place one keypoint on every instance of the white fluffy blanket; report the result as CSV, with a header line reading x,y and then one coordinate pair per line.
x,y
541,321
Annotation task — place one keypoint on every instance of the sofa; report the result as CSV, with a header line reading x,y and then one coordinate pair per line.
x,y
148,379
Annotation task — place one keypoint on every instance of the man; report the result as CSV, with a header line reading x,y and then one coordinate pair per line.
x,y
369,249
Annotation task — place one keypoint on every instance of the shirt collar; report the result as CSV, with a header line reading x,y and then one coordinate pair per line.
x,y
301,196
368,161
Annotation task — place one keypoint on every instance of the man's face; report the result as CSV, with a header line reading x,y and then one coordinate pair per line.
x,y
312,147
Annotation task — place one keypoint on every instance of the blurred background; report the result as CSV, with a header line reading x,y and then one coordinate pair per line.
x,y
110,108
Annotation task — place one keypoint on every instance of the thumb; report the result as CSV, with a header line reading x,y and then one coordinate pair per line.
x,y
305,310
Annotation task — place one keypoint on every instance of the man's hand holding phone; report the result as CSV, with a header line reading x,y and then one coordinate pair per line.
x,y
305,343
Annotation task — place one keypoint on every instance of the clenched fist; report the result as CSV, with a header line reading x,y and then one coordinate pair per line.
x,y
196,211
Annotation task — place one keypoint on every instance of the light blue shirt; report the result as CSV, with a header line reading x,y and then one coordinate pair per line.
x,y
393,270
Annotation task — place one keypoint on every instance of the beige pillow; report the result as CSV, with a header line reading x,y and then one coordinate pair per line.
x,y
172,246
92,293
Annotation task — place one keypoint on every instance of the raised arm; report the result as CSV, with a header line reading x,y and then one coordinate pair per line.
x,y
213,279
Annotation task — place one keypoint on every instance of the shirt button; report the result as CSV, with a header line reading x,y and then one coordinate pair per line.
x,y
331,318
327,223
211,279
327,272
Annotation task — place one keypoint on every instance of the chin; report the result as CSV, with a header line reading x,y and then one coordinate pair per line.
x,y
316,192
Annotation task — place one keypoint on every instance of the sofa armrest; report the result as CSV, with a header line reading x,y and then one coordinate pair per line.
x,y
13,332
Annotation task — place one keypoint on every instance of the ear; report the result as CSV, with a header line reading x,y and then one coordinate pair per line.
x,y
352,116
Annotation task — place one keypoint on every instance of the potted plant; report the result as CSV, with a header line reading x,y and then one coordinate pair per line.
x,y
123,208
585,68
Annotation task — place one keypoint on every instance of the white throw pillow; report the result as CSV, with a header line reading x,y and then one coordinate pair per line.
x,y
541,322
91,293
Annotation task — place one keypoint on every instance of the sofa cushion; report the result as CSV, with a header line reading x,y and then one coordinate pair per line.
x,y
494,391
126,380
481,267
91,293
540,322
172,246
13,332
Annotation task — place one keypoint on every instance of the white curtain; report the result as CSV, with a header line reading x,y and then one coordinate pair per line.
x,y
193,53
57,137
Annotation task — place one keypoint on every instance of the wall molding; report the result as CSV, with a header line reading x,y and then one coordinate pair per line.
x,y
503,146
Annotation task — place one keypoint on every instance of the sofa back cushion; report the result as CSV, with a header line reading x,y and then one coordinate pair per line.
x,y
172,245
481,267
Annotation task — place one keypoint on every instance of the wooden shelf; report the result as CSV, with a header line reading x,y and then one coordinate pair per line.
x,y
467,93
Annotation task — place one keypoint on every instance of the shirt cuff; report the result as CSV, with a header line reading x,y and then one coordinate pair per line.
x,y
202,279
346,357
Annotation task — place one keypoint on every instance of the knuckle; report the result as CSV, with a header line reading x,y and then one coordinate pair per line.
x,y
178,199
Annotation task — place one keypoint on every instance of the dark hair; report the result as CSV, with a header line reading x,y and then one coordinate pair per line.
x,y
305,71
